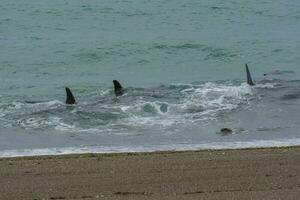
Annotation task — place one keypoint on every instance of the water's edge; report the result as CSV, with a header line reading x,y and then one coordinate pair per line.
x,y
162,148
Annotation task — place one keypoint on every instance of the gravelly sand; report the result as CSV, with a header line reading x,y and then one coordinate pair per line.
x,y
224,174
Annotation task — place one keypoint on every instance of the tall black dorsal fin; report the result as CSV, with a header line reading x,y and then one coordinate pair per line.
x,y
70,98
249,78
118,88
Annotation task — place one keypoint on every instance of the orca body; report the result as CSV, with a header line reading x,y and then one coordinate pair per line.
x,y
70,97
119,90
249,78
34,102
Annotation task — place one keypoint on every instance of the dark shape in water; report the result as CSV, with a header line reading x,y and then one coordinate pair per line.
x,y
70,98
33,102
280,72
249,78
291,96
226,131
119,91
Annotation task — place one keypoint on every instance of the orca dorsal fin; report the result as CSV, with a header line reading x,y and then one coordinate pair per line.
x,y
118,88
70,97
249,78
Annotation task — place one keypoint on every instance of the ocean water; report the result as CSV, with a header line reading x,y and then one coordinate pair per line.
x,y
181,62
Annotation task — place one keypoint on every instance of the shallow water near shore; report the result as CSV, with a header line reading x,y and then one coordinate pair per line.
x,y
182,64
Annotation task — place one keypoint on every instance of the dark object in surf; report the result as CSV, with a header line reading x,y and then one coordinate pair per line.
x,y
70,97
249,78
119,91
226,131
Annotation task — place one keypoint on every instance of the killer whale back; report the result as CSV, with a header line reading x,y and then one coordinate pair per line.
x,y
70,97
249,78
118,88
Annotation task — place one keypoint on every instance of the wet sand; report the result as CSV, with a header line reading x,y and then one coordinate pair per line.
x,y
272,173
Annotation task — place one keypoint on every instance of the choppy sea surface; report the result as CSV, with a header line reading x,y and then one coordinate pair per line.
x,y
181,63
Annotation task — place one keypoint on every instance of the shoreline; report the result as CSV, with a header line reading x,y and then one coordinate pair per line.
x,y
262,173
114,154
56,151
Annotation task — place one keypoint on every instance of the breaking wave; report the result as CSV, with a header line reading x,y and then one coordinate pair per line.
x,y
161,107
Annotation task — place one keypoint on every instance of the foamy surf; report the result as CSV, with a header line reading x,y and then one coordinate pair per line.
x,y
139,107
167,117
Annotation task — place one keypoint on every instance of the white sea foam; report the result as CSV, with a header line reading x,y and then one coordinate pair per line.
x,y
153,148
103,92
266,85
193,103
61,126
200,102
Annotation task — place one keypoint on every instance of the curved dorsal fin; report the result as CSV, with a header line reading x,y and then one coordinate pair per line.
x,y
118,88
70,98
249,78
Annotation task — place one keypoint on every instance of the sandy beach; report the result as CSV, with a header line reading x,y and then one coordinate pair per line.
x,y
272,173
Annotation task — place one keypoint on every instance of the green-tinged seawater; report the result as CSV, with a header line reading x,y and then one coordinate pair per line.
x,y
182,63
